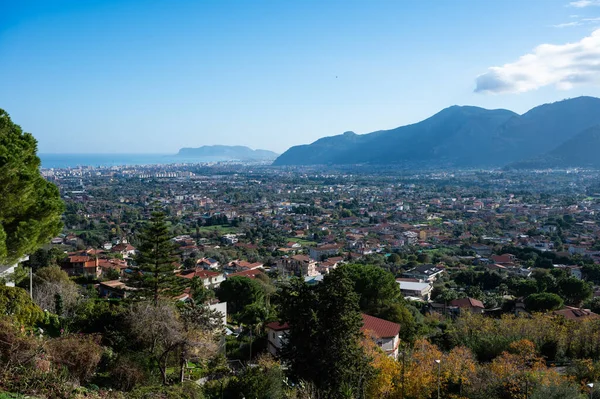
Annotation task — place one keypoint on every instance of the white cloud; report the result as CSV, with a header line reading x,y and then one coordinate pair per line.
x,y
567,25
562,65
591,19
584,3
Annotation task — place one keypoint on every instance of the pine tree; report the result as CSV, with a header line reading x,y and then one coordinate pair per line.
x,y
324,341
30,206
156,261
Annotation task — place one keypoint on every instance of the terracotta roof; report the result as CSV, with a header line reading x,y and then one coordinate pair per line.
x,y
276,326
113,284
78,259
200,273
381,328
246,273
245,264
571,313
467,303
122,247
112,263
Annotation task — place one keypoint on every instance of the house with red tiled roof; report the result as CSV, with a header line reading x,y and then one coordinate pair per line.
x,y
82,265
504,259
275,336
125,249
571,313
384,333
471,304
208,263
112,264
246,273
209,278
241,265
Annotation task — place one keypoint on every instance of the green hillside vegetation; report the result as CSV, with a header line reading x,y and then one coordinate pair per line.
x,y
579,151
457,136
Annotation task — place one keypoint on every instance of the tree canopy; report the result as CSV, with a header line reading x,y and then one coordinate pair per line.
x,y
15,303
324,341
375,286
240,292
543,302
31,207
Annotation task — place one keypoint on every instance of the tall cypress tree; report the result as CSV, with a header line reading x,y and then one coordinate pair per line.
x,y
156,261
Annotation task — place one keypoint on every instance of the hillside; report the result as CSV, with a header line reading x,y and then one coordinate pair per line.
x,y
579,151
226,153
457,136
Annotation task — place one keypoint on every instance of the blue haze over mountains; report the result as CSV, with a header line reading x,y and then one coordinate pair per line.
x,y
557,135
550,135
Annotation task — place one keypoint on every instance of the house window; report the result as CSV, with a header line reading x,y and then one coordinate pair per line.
x,y
273,335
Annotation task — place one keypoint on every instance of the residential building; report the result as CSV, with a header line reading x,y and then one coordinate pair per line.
x,y
125,249
222,308
208,263
229,239
297,265
384,333
425,272
571,313
209,278
417,290
482,250
252,273
468,304
7,270
241,265
276,337
114,289
324,251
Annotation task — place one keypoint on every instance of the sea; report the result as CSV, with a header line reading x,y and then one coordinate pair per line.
x,y
57,161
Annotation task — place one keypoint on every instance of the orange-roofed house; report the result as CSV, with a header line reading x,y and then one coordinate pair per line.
x,y
241,265
209,278
471,304
246,273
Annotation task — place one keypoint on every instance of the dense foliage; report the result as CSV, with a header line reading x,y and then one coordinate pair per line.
x,y
30,206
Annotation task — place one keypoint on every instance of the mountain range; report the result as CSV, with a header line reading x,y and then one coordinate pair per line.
x,y
553,135
226,153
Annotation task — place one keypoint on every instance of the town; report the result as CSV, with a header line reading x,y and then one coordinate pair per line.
x,y
503,246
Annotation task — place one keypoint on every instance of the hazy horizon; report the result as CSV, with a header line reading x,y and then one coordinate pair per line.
x,y
152,77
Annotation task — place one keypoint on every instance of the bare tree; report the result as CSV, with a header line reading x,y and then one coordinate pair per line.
x,y
45,294
158,328
163,330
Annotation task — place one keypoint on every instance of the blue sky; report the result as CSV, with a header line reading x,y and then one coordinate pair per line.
x,y
144,76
